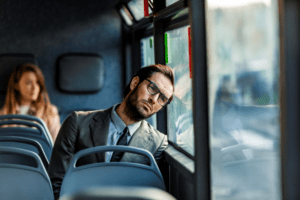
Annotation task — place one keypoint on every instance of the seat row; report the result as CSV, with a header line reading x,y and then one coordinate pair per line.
x,y
26,132
24,158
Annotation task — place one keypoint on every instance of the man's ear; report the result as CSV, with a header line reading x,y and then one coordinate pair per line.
x,y
134,82
17,87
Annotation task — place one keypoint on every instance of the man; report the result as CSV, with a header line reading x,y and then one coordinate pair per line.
x,y
148,91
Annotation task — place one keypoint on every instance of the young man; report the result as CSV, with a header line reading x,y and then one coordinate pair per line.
x,y
148,91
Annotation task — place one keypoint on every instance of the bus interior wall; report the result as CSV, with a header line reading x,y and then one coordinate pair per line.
x,y
49,29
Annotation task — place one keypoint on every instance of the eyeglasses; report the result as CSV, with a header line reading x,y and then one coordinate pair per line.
x,y
153,90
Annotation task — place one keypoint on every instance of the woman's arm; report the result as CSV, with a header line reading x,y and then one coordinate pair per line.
x,y
54,123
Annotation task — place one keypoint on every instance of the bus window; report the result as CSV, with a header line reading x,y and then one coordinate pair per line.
x,y
126,16
147,51
147,58
169,2
243,76
137,8
180,112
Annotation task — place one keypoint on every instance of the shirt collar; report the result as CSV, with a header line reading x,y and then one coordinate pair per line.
x,y
120,125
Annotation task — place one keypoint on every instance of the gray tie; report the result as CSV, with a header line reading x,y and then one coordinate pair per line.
x,y
116,157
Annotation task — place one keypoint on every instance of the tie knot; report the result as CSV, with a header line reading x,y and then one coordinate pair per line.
x,y
123,138
125,131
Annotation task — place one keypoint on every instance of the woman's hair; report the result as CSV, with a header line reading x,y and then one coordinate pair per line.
x,y
42,104
148,71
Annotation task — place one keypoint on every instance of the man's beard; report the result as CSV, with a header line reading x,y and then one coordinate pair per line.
x,y
131,109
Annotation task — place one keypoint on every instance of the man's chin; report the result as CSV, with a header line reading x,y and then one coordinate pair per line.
x,y
143,113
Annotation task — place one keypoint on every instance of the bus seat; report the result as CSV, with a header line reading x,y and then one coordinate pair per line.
x,y
118,193
37,134
40,127
80,73
30,118
21,180
111,174
25,143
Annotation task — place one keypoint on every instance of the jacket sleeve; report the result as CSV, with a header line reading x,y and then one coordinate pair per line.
x,y
63,151
164,144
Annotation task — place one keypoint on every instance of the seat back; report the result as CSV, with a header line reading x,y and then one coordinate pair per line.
x,y
113,173
37,134
30,118
22,181
27,144
118,193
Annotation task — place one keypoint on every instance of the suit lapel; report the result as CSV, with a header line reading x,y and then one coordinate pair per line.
x,y
143,139
99,131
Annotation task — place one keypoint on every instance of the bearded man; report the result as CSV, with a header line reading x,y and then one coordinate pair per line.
x,y
149,91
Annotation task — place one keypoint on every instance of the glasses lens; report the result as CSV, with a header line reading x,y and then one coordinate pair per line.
x,y
162,100
152,89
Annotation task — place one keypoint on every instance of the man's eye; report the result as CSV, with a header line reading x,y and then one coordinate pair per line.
x,y
152,88
163,99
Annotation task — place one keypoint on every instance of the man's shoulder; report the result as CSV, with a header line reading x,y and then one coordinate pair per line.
x,y
89,115
153,131
159,139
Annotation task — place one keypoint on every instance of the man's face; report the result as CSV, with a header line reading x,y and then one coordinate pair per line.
x,y
140,104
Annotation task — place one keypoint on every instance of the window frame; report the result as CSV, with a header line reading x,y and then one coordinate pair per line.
x,y
290,96
162,22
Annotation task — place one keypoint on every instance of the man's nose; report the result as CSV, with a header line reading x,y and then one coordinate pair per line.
x,y
154,98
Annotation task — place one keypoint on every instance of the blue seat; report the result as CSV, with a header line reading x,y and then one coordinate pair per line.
x,y
30,118
37,133
118,193
20,180
112,174
27,144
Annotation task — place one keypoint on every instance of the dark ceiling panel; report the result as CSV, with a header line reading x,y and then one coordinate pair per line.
x,y
34,17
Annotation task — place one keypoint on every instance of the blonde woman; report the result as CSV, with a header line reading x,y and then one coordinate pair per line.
x,y
27,95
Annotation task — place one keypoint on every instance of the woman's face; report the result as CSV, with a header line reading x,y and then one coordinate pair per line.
x,y
28,87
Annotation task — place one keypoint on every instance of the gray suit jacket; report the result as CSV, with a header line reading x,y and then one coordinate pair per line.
x,y
83,130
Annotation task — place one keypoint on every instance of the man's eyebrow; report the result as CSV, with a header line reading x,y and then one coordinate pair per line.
x,y
159,89
155,85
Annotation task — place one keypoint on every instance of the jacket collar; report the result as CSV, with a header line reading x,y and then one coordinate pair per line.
x,y
99,130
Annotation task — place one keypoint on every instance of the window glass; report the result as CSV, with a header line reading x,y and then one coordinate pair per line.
x,y
137,9
243,76
126,16
147,51
169,2
180,112
147,58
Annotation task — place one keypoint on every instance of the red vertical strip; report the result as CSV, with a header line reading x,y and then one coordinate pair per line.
x,y
146,8
190,52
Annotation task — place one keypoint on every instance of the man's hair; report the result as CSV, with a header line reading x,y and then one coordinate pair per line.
x,y
148,71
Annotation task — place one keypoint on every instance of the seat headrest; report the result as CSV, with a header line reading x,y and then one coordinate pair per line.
x,y
80,73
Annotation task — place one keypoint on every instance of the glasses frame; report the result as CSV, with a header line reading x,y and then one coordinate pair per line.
x,y
158,91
